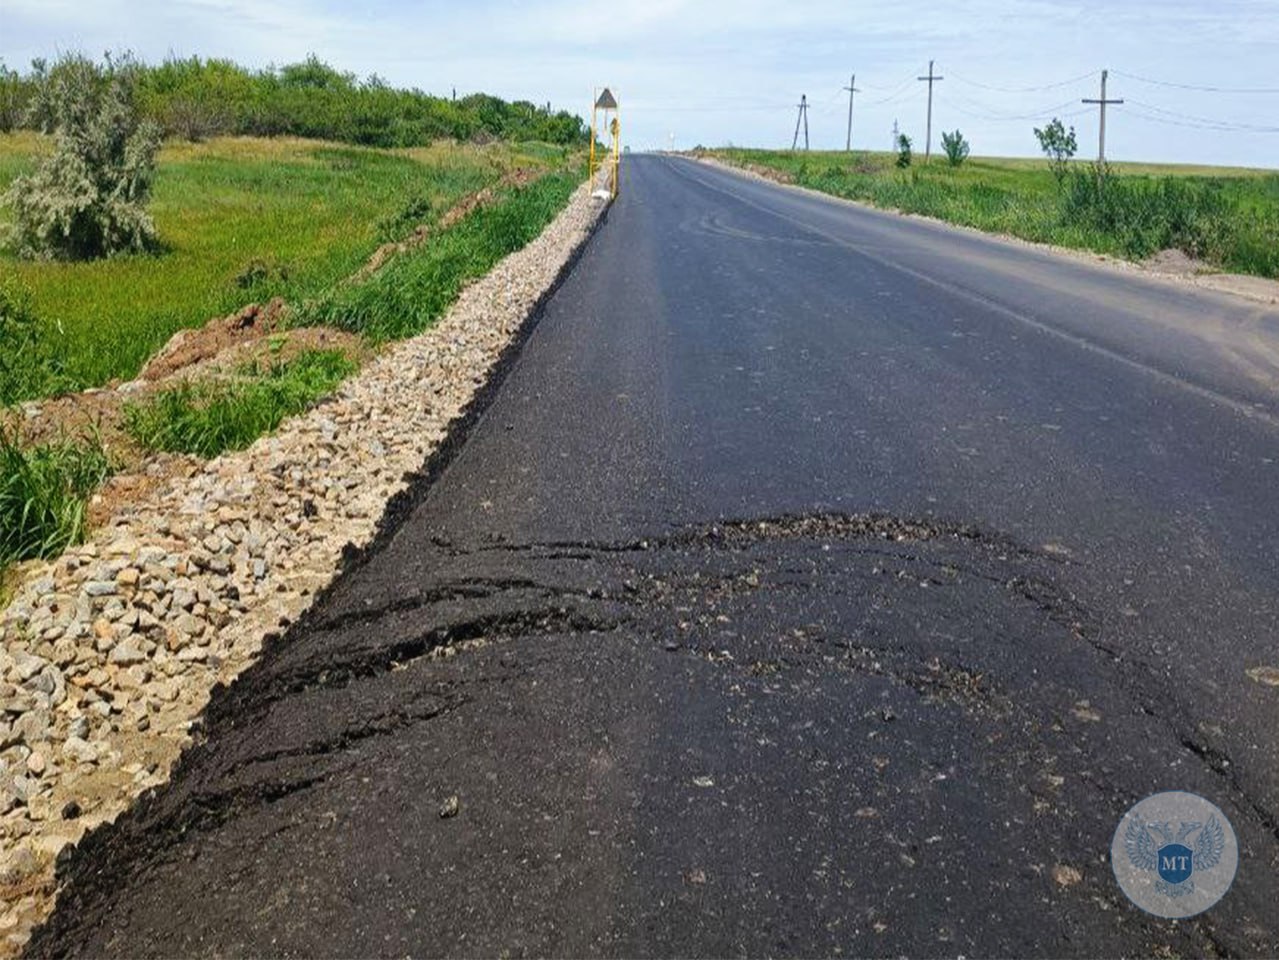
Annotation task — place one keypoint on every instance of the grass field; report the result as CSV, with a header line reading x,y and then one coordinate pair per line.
x,y
1226,217
241,220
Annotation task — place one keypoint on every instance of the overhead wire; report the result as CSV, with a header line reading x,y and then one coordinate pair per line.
x,y
1039,89
1192,86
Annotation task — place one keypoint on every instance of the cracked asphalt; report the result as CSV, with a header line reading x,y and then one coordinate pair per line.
x,y
816,581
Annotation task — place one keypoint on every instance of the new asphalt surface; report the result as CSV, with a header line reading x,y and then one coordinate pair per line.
x,y
817,581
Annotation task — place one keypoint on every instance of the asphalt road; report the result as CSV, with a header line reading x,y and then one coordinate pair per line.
x,y
818,581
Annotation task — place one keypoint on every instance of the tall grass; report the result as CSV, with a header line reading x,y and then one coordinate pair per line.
x,y
209,418
43,492
1229,220
415,288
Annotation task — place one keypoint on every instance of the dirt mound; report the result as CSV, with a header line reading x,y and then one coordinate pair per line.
x,y
188,347
100,412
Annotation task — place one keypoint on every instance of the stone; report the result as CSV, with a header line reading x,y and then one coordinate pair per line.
x,y
26,666
79,750
32,727
126,653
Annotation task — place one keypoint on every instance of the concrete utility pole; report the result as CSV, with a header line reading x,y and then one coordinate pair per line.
x,y
852,89
896,134
802,118
928,137
1101,138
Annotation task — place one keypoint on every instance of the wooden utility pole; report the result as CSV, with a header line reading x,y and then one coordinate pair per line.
x,y
802,118
928,137
1101,138
852,89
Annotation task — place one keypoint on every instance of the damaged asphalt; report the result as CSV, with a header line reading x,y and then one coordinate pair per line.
x,y
816,581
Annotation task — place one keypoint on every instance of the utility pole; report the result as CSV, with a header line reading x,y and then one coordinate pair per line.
x,y
852,89
896,134
1101,138
802,118
928,141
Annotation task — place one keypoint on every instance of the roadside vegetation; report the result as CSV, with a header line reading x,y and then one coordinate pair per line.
x,y
408,294
43,491
196,99
240,221
372,237
207,418
1228,219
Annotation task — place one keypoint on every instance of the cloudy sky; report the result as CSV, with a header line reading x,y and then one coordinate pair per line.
x,y
721,71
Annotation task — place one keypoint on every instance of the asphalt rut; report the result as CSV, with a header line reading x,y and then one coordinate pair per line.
x,y
755,737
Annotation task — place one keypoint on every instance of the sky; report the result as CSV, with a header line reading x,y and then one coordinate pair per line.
x,y
718,72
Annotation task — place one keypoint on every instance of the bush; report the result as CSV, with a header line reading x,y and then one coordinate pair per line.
x,y
14,93
207,419
88,198
956,148
1058,145
43,491
904,156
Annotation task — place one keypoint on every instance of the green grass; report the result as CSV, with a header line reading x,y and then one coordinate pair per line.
x,y
1229,217
241,220
43,492
414,289
211,417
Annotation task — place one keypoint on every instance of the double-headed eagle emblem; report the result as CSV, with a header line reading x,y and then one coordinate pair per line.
x,y
1173,857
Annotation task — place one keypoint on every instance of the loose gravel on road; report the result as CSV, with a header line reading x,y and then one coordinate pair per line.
x,y
109,654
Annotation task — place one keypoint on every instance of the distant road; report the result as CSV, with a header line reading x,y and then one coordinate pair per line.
x,y
827,582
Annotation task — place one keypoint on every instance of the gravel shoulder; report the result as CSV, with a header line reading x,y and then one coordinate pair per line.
x,y
108,655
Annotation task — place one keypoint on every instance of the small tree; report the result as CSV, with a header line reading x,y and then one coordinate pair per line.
x,y
88,198
903,151
1059,145
956,148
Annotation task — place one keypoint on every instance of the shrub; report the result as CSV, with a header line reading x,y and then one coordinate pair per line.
x,y
956,148
1058,145
207,419
88,198
43,491
904,156
14,92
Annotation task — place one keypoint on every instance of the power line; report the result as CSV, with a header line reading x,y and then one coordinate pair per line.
x,y
1191,86
1201,123
981,112
906,82
1047,86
